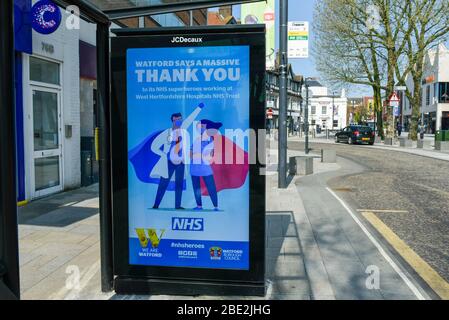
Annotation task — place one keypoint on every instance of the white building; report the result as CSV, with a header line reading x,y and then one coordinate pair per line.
x,y
435,92
326,109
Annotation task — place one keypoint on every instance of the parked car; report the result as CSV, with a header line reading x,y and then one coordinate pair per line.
x,y
356,135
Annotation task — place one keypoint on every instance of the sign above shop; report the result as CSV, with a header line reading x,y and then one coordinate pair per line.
x,y
429,79
45,17
22,26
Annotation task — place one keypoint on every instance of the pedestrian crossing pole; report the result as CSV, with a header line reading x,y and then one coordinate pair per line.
x,y
283,46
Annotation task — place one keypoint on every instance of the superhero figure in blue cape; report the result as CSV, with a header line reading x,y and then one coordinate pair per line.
x,y
161,156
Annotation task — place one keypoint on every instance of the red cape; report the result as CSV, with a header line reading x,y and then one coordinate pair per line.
x,y
230,165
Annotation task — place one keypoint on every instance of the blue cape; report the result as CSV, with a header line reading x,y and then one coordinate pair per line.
x,y
144,160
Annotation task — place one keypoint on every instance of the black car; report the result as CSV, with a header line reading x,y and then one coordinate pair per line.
x,y
356,135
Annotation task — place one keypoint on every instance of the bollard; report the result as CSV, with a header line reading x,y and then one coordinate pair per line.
x,y
302,166
388,141
292,167
442,145
405,143
423,144
328,156
305,165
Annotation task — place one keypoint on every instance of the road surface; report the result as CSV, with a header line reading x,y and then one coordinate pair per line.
x,y
407,193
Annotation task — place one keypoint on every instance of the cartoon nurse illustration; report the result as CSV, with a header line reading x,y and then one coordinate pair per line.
x,y
202,154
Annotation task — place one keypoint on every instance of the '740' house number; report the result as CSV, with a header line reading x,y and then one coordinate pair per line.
x,y
48,48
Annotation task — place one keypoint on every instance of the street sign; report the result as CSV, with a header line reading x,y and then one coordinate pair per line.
x,y
298,40
393,100
188,219
270,113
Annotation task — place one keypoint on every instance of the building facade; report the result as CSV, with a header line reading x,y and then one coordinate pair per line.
x,y
48,109
327,110
434,109
220,17
294,98
360,110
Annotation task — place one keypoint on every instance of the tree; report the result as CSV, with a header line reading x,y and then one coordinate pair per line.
x,y
428,21
349,49
382,53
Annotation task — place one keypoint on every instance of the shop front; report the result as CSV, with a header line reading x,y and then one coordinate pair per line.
x,y
445,121
47,103
430,121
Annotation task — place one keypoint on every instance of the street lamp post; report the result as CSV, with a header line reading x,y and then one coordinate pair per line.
x,y
333,109
306,119
283,47
353,111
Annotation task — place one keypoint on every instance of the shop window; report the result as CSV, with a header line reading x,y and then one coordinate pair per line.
x,y
45,120
435,93
44,71
46,172
168,20
443,92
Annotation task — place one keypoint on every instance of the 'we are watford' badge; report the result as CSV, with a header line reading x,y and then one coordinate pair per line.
x,y
153,237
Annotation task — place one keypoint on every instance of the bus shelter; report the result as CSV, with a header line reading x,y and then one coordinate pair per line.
x,y
103,13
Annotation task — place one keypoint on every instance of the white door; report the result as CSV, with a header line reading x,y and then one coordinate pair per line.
x,y
47,150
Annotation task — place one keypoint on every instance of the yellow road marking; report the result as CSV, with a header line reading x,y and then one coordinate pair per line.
x,y
425,271
382,211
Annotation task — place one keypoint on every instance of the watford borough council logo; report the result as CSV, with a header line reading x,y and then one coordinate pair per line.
x,y
215,253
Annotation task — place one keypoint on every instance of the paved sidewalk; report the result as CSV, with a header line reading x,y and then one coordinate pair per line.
x,y
429,153
58,243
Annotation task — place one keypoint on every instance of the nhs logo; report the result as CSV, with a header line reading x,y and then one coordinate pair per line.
x,y
188,224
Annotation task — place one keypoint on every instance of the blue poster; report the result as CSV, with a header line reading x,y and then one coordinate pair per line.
x,y
188,167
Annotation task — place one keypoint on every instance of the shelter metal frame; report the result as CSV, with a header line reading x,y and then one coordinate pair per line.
x,y
9,261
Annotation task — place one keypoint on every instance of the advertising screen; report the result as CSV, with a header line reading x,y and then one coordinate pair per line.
x,y
188,113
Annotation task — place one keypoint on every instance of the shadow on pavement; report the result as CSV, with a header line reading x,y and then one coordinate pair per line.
x,y
62,209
